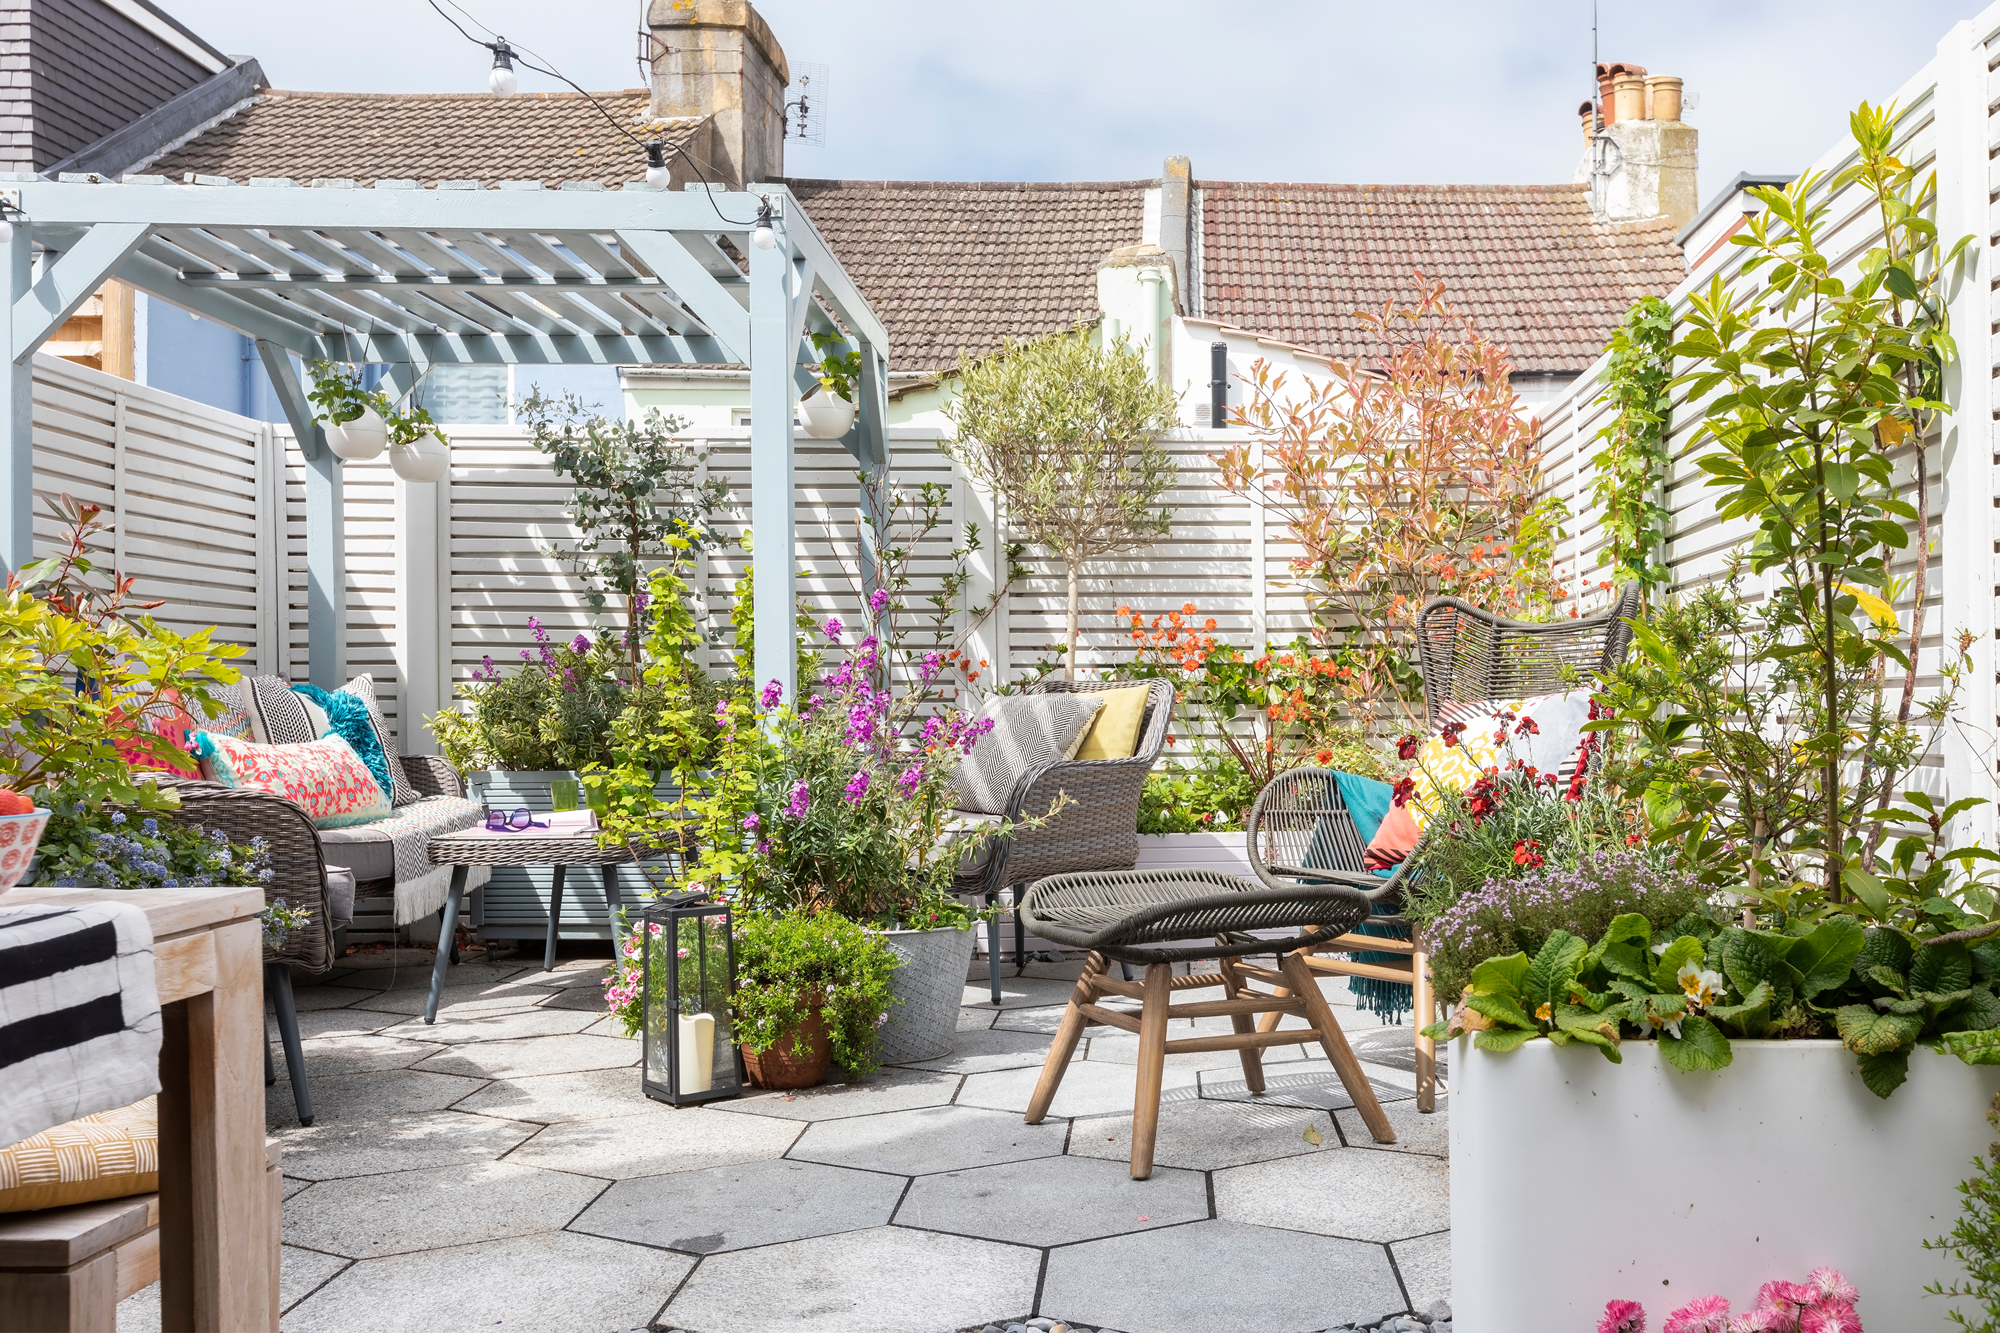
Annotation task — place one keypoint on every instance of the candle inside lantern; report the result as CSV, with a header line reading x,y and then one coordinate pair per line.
x,y
697,1057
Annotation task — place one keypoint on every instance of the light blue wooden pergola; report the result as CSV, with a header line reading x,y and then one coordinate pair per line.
x,y
413,278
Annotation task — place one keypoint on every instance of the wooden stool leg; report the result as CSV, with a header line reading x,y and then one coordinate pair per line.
x,y
1064,1045
1334,1042
1423,1005
1152,1067
1251,1056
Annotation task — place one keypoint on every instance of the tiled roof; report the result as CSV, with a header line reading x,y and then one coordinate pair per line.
x,y
951,266
1528,263
426,137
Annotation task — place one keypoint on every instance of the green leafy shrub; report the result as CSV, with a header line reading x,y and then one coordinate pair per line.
x,y
1210,795
1520,912
789,964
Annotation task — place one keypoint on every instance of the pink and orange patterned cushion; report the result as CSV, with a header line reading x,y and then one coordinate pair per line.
x,y
325,777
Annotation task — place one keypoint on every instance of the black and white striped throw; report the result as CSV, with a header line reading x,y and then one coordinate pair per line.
x,y
79,1014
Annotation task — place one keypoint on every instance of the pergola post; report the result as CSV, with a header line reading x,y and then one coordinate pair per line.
x,y
871,450
326,525
17,410
773,522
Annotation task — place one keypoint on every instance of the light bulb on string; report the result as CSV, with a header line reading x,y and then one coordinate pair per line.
x,y
503,80
764,236
658,174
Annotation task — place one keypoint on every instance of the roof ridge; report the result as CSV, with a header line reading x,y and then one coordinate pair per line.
x,y
332,94
1020,187
1563,187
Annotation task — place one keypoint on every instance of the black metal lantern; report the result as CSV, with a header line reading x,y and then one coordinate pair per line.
x,y
687,974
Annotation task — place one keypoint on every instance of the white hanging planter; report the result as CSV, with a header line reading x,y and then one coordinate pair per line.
x,y
359,440
826,414
426,458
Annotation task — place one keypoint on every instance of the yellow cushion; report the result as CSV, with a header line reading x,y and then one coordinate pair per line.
x,y
110,1155
1115,733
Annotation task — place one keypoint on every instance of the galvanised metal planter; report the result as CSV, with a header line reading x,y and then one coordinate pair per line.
x,y
929,985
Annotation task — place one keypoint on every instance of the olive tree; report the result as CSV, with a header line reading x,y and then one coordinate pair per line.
x,y
1066,432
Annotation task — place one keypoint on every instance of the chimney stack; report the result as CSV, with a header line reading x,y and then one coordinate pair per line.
x,y
718,59
1647,167
1176,190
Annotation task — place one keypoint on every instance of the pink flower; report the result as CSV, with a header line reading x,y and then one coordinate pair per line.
x,y
657,927
1703,1314
1832,1284
580,645
772,693
1786,1298
1622,1317
857,786
878,599
751,823
1830,1317
833,628
1753,1321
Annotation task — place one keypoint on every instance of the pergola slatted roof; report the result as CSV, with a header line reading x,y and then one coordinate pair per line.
x,y
414,278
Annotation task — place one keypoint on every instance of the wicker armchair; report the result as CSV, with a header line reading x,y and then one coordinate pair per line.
x,y
1098,830
1301,832
299,877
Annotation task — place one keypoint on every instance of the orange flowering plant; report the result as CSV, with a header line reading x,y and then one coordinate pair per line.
x,y
1411,473
1271,712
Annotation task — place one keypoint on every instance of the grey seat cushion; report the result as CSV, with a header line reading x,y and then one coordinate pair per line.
x,y
369,850
339,896
364,849
1029,730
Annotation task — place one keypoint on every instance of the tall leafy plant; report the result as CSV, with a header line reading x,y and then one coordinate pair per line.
x,y
1067,433
638,496
1411,473
1631,462
1814,385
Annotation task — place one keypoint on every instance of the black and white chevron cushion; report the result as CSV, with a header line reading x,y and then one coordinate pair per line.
x,y
278,715
79,1014
1029,730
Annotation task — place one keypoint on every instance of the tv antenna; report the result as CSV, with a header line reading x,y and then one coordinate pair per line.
x,y
806,104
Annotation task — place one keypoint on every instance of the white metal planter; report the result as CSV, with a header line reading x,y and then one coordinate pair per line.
x,y
930,984
358,440
1575,1181
426,458
826,414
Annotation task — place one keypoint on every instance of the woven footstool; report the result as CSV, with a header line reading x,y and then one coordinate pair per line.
x,y
1147,918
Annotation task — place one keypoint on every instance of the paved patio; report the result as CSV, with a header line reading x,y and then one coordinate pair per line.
x,y
502,1169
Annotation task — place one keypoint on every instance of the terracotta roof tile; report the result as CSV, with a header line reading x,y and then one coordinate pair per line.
x,y
1528,263
426,137
951,265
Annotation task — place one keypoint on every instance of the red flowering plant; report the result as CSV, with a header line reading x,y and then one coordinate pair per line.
x,y
1412,473
1278,710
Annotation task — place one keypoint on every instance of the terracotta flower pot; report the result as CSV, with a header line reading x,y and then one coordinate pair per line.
x,y
799,1059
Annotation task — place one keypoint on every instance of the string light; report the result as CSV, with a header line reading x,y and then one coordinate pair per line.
x,y
764,236
503,80
658,174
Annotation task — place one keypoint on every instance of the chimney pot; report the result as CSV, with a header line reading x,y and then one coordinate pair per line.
x,y
1628,92
1664,92
719,59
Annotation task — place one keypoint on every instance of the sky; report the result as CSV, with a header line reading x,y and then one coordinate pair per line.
x,y
1440,92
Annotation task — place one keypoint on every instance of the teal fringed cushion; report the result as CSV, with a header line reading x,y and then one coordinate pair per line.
x,y
348,717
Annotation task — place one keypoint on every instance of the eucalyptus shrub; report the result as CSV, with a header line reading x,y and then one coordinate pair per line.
x,y
1631,466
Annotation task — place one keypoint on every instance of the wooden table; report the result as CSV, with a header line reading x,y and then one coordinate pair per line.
x,y
484,847
218,1247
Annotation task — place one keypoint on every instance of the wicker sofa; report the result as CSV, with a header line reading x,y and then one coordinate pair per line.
x,y
1097,830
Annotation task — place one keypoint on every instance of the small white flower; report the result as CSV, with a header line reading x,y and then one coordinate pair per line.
x,y
1660,948
1701,986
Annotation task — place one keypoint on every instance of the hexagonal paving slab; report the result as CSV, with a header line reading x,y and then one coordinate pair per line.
x,y
1044,1019
1425,1263
522,1056
358,1053
1122,1048
1087,1089
591,1094
1415,1131
1249,1280
934,1138
461,1026
334,1023
1207,1136
343,1148
889,1280
693,1139
978,1051
557,1282
1053,1201
426,1210
887,1090
364,1096
306,997
735,1207
1307,1083
1349,1192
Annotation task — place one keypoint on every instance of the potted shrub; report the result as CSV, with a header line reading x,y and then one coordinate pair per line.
x,y
828,406
1748,1060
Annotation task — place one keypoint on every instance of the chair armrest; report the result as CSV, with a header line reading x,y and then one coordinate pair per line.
x,y
298,862
431,775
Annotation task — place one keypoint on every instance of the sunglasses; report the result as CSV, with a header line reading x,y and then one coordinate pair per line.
x,y
499,821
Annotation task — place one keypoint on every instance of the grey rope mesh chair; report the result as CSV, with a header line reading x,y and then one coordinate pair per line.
x,y
1097,830
1156,918
1301,832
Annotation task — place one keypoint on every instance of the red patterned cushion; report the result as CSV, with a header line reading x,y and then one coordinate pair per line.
x,y
325,777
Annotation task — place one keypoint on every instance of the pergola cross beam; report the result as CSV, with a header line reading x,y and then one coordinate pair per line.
x,y
416,278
